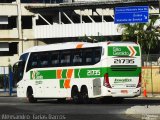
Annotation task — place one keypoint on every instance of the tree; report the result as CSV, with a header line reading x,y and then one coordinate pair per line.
x,y
147,35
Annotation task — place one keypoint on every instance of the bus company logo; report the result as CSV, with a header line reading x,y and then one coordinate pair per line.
x,y
118,51
33,74
36,75
122,80
124,51
132,51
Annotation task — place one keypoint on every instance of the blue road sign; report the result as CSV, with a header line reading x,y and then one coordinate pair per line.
x,y
131,14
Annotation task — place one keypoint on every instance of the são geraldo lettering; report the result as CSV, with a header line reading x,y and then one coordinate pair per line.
x,y
118,52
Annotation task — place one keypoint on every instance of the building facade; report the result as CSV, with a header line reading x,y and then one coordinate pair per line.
x,y
27,23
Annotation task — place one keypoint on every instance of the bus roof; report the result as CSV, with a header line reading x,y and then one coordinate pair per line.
x,y
123,42
74,45
61,46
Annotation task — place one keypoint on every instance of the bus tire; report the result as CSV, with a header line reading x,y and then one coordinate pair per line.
x,y
75,95
30,97
84,95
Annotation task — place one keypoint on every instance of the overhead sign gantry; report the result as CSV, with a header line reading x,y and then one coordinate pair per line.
x,y
131,14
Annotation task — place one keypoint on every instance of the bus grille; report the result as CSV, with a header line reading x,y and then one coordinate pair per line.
x,y
124,68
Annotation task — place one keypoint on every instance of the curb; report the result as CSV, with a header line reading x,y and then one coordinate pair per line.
x,y
6,94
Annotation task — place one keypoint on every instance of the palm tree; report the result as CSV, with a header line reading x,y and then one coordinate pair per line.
x,y
147,35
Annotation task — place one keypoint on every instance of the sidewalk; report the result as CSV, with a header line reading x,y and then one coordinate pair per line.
x,y
150,95
6,94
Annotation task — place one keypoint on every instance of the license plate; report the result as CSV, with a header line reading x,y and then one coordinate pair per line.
x,y
124,91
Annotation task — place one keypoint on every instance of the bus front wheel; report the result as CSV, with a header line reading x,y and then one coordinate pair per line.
x,y
30,96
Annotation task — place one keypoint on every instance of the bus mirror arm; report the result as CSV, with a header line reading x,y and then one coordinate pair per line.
x,y
13,66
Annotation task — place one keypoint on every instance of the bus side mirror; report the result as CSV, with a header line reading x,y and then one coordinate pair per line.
x,y
16,65
13,68
18,69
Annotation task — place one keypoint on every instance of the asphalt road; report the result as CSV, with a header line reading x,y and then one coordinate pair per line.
x,y
15,108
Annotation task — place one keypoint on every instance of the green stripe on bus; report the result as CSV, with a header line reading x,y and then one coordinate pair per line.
x,y
48,74
76,73
64,71
88,73
100,72
61,83
137,50
43,74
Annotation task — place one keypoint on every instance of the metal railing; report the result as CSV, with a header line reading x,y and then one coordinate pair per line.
x,y
72,1
151,60
43,1
7,85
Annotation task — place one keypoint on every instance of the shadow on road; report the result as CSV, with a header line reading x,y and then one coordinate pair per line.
x,y
142,101
125,102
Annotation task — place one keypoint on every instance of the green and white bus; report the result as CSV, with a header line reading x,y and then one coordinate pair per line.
x,y
80,71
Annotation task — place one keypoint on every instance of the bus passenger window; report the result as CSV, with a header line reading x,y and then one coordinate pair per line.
x,y
88,57
33,61
97,55
55,59
77,58
65,58
34,64
44,60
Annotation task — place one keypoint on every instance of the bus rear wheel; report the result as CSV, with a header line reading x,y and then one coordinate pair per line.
x,y
84,95
75,95
30,96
